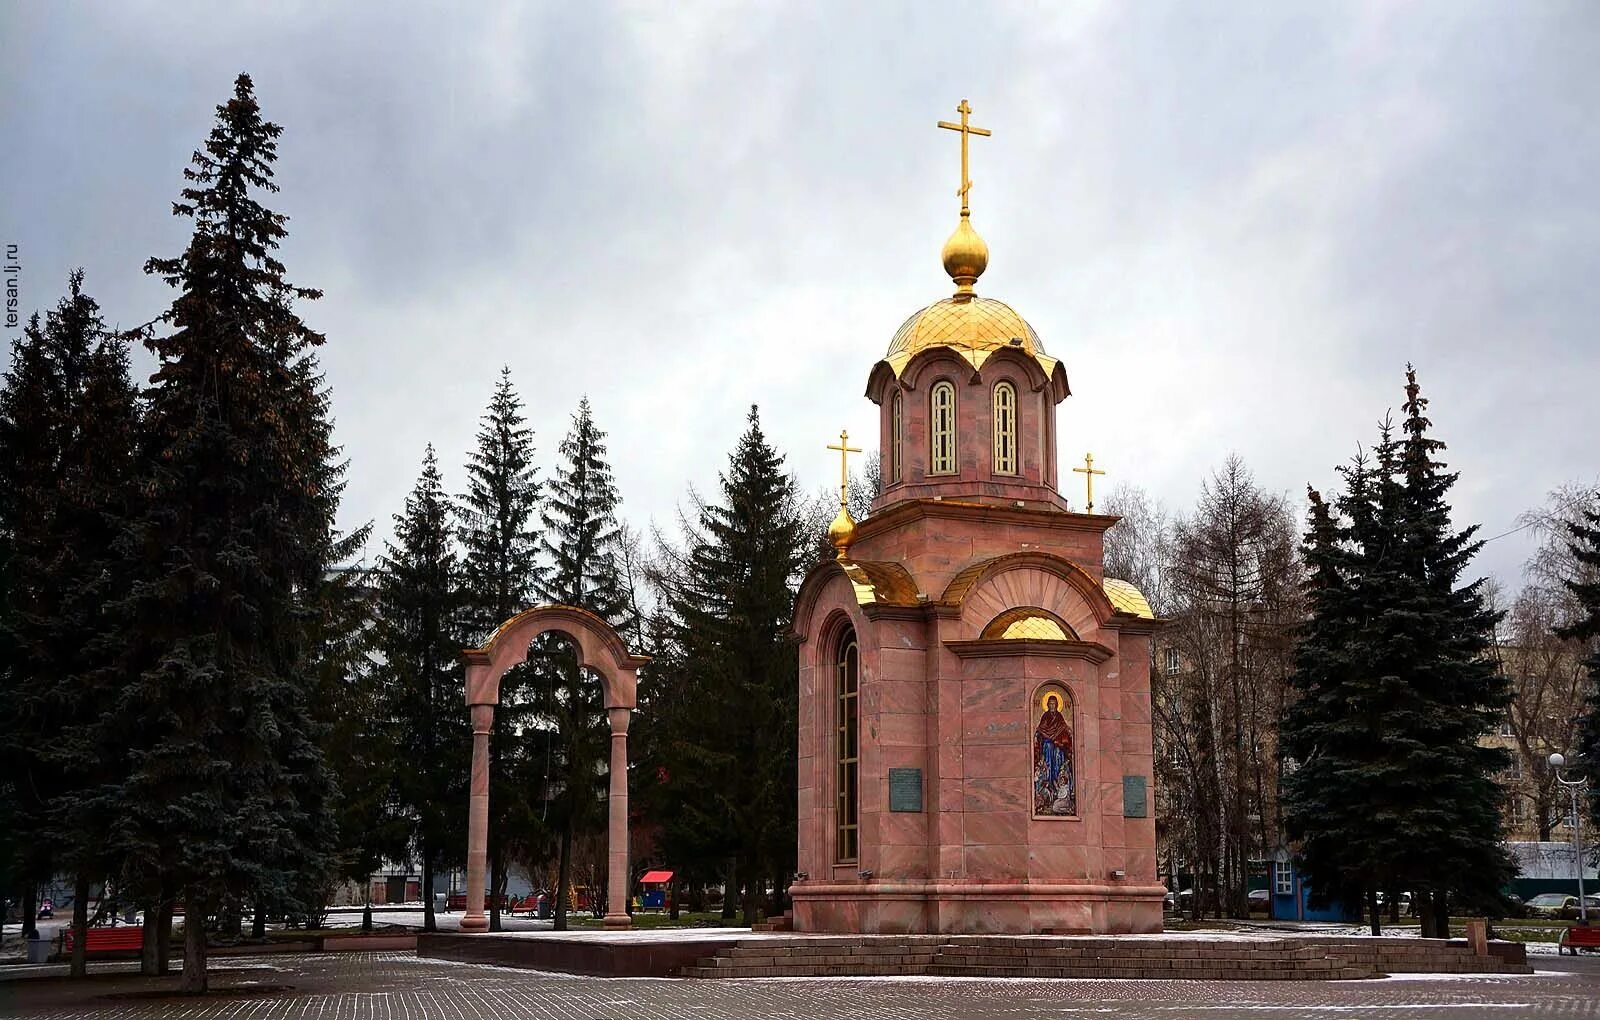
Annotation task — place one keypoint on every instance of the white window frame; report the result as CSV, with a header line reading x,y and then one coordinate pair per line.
x,y
1004,404
897,434
942,456
847,750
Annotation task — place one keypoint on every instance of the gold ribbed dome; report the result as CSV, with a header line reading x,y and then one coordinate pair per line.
x,y
974,327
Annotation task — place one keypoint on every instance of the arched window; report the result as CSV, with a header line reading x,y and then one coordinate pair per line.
x,y
942,430
1005,429
847,746
897,432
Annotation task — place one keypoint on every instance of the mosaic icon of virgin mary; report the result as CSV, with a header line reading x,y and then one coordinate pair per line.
x,y
1054,792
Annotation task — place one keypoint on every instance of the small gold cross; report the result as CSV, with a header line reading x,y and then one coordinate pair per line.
x,y
1088,472
845,450
965,129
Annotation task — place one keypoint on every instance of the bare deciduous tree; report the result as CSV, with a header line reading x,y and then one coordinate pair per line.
x,y
1547,676
1228,578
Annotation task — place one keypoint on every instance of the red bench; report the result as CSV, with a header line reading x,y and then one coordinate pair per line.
x,y
106,940
1579,937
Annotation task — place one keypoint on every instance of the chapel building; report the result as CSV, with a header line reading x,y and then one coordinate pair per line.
x,y
974,704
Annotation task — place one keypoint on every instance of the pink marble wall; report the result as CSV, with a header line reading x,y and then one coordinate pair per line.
x,y
935,542
1033,481
966,721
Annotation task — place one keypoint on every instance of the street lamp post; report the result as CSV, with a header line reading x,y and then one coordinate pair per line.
x,y
1574,787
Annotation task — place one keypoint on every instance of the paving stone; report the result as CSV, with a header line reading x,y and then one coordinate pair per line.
x,y
392,986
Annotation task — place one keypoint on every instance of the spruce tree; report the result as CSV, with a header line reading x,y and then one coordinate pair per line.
x,y
224,802
1323,738
79,450
581,524
95,497
30,462
666,745
581,533
360,739
1585,548
1392,791
419,638
1457,850
732,608
1338,798
499,525
500,571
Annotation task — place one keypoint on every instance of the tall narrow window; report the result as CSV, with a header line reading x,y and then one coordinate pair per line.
x,y
847,746
942,433
1005,429
897,433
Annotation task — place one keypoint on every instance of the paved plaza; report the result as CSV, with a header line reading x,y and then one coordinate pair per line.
x,y
401,986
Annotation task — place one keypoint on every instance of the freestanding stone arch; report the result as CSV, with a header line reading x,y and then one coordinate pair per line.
x,y
600,649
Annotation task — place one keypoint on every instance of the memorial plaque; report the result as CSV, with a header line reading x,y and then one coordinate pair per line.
x,y
905,790
1133,798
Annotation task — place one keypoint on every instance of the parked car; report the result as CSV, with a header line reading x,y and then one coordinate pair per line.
x,y
1260,899
1561,906
1405,901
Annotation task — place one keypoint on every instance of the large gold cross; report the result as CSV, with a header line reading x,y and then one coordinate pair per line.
x,y
845,450
965,129
1088,472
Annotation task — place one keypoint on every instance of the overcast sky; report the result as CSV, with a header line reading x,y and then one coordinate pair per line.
x,y
1235,228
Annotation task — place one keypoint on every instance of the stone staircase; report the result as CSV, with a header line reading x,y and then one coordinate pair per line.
x,y
822,956
1000,956
783,922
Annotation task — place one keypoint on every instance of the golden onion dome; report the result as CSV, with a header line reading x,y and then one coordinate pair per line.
x,y
842,532
965,255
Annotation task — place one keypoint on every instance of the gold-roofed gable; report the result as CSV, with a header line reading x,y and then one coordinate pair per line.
x,y
1034,628
1028,623
1127,598
877,583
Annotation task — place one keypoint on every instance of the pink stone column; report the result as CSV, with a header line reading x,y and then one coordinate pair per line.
x,y
478,819
617,884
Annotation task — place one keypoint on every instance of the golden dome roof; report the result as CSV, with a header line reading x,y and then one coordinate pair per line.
x,y
974,327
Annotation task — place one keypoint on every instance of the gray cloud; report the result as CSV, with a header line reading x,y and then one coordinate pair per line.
x,y
1235,227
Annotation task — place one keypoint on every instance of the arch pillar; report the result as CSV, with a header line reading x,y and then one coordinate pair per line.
x,y
478,819
601,650
617,834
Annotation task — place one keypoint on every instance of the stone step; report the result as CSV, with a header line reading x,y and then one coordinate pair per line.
x,y
1002,956
819,970
803,951
801,963
1199,953
783,922
1069,961
1156,974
